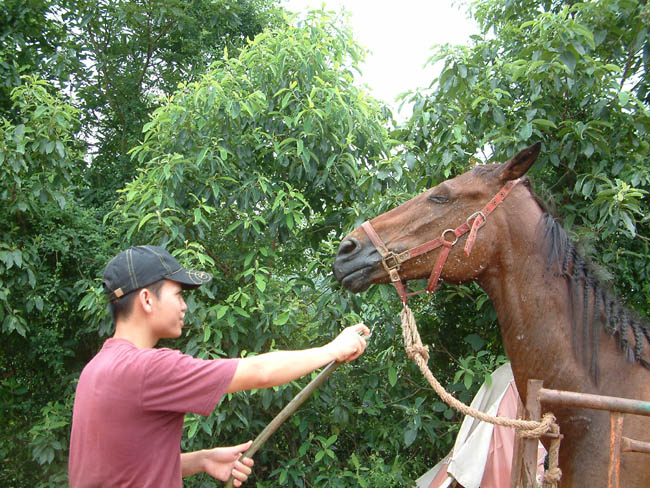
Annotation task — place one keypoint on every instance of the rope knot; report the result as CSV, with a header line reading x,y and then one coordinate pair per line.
x,y
547,424
414,350
552,476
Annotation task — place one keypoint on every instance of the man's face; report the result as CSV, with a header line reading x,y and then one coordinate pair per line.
x,y
169,310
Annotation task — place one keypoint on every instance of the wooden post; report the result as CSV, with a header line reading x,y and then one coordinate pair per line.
x,y
531,446
517,451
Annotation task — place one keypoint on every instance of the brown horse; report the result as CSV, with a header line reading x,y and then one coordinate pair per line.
x,y
559,323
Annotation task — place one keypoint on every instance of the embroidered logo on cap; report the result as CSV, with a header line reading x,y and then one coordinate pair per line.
x,y
198,277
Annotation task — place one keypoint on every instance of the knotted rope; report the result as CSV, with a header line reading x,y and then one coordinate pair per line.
x,y
419,353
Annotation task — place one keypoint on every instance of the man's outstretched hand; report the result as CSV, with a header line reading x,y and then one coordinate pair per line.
x,y
350,343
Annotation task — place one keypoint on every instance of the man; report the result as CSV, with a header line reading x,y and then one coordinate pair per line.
x,y
131,398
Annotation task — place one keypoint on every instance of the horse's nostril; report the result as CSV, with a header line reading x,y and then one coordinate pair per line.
x,y
348,246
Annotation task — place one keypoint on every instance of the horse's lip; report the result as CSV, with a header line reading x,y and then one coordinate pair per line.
x,y
356,279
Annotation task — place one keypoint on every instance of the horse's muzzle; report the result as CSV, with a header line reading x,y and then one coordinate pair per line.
x,y
354,264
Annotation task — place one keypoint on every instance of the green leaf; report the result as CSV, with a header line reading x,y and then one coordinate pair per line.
x,y
221,311
477,100
233,226
145,219
526,131
193,428
569,60
17,258
201,155
392,375
260,281
284,474
410,435
623,98
241,311
476,341
60,149
468,379
628,222
281,319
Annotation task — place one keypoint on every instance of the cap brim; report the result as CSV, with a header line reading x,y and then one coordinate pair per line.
x,y
189,278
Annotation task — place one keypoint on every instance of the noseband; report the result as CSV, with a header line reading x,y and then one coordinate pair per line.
x,y
392,262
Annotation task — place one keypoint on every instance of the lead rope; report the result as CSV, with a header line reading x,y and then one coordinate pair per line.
x,y
419,353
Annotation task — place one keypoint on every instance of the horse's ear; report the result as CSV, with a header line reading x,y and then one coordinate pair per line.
x,y
517,166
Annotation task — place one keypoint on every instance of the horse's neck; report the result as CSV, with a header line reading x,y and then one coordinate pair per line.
x,y
533,310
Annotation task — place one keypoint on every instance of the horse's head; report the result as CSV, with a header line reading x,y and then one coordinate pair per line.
x,y
435,216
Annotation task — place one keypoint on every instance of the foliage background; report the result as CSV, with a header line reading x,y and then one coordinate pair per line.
x,y
240,139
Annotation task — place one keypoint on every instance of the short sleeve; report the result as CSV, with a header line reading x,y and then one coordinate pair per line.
x,y
180,383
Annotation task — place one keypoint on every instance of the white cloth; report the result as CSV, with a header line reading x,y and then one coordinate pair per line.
x,y
467,461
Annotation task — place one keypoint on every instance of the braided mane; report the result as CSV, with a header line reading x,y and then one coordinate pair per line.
x,y
594,305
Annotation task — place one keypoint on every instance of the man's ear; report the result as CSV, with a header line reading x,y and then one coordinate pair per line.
x,y
144,299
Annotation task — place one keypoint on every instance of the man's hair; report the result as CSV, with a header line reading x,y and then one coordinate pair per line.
x,y
122,307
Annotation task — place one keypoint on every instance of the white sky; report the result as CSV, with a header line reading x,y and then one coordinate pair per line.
x,y
399,35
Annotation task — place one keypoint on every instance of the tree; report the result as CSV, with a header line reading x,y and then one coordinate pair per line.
x,y
54,243
134,51
30,42
46,237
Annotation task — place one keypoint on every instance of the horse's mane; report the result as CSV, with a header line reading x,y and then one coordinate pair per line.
x,y
593,304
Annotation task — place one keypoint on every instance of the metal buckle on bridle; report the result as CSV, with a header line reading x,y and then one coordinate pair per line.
x,y
390,262
473,217
393,262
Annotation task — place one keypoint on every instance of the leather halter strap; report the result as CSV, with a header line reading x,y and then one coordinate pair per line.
x,y
392,262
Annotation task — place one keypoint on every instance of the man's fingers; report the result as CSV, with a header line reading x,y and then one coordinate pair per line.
x,y
241,472
247,461
359,348
244,465
362,328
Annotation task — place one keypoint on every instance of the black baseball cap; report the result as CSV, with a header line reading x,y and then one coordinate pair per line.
x,y
139,266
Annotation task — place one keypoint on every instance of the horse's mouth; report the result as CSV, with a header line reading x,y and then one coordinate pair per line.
x,y
356,280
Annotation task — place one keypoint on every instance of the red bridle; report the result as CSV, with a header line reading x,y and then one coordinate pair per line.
x,y
392,262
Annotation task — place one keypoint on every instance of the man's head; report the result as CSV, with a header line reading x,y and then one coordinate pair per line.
x,y
144,267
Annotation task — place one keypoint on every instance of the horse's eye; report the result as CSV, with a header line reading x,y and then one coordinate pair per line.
x,y
438,198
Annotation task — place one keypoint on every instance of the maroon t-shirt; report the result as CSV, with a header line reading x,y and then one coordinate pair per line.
x,y
128,414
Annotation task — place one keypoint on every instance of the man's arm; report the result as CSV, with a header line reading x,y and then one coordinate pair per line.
x,y
280,367
220,463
